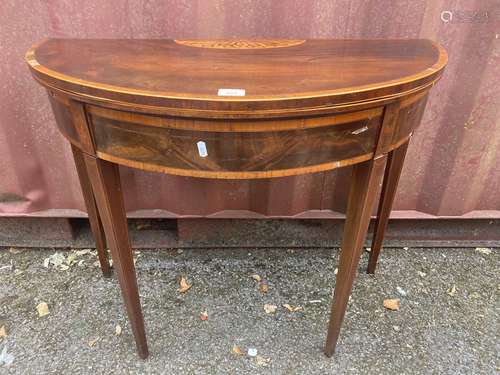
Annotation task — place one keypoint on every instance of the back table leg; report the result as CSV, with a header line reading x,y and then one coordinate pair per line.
x,y
94,219
364,184
105,180
393,169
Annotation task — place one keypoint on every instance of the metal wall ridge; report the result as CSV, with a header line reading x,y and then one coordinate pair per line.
x,y
453,162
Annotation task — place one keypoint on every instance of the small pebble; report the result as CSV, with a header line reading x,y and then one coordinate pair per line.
x,y
252,352
316,301
401,291
483,250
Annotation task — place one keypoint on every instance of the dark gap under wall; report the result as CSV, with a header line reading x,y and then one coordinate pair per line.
x,y
287,233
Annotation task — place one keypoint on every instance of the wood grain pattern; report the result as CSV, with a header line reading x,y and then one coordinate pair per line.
x,y
240,43
393,169
64,121
309,76
259,154
391,114
92,211
235,125
105,181
79,121
364,183
409,118
251,113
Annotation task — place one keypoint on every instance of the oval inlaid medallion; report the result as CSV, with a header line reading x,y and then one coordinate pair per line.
x,y
241,43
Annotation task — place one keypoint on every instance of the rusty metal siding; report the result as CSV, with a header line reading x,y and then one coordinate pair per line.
x,y
453,163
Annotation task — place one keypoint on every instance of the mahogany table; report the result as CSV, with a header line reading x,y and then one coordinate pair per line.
x,y
237,109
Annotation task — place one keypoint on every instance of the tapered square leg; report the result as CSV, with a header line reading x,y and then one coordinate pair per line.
x,y
105,180
393,169
92,212
364,182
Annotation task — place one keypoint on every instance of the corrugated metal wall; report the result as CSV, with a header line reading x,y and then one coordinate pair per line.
x,y
453,165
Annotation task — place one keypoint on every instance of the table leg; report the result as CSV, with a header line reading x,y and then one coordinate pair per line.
x,y
94,218
364,182
393,169
105,180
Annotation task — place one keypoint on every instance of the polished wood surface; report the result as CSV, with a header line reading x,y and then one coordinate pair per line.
x,y
364,183
105,180
237,109
239,149
94,217
241,43
231,153
393,169
185,80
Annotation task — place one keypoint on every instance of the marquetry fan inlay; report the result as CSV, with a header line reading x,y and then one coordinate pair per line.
x,y
240,44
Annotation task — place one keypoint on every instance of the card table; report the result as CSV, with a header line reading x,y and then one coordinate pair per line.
x,y
237,109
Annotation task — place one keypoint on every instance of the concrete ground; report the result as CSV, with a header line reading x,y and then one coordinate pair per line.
x,y
447,322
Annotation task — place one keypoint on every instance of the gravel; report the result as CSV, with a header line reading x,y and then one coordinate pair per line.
x,y
447,323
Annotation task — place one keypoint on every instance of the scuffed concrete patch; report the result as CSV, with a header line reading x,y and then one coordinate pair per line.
x,y
436,330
